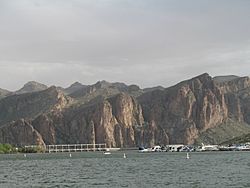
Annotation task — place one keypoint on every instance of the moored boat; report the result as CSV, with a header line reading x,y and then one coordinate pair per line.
x,y
208,148
243,148
143,150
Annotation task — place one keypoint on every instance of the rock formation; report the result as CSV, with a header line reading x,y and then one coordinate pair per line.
x,y
74,88
30,87
126,116
109,121
20,133
30,105
192,107
4,93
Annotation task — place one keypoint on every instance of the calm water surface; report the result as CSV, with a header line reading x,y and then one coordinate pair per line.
x,y
94,169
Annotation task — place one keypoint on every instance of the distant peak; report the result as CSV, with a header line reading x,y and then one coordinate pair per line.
x,y
203,77
33,83
31,86
102,83
4,90
76,84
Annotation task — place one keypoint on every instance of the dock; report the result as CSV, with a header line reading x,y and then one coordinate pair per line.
x,y
75,148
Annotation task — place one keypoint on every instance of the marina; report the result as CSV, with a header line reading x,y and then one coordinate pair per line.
x,y
157,148
200,148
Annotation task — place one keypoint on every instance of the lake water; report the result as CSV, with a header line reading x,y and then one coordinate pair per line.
x,y
94,169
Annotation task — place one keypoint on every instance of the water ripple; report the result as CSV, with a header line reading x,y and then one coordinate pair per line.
x,y
215,169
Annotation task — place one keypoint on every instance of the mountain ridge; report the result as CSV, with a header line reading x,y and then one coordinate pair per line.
x,y
123,115
30,87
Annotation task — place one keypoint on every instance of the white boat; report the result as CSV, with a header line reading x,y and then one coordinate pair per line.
x,y
207,148
106,153
243,148
156,149
153,149
175,147
143,150
224,148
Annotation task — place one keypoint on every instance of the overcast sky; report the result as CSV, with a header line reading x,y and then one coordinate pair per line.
x,y
145,42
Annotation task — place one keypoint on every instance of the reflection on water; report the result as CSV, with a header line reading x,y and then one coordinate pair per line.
x,y
94,169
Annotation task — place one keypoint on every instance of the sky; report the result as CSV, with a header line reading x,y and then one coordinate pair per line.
x,y
143,42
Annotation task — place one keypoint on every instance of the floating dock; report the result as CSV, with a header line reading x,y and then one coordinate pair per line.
x,y
75,148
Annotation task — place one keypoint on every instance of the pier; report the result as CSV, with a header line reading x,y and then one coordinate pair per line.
x,y
75,147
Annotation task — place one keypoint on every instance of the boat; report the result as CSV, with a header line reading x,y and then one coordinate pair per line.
x,y
106,153
175,147
243,147
224,148
207,148
143,150
156,148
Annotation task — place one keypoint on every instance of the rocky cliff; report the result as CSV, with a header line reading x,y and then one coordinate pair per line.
x,y
30,105
126,116
108,121
20,133
192,107
4,93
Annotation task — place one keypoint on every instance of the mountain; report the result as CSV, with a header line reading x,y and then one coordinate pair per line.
x,y
153,88
201,109
185,111
238,140
4,93
20,133
108,121
221,79
74,88
29,105
30,87
104,89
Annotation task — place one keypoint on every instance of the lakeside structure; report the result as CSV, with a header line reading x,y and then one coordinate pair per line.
x,y
75,147
157,148
191,148
54,148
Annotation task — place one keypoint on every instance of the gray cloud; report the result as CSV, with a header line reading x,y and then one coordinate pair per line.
x,y
146,42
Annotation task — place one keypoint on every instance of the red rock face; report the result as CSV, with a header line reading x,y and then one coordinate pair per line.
x,y
186,109
110,121
46,128
20,132
178,114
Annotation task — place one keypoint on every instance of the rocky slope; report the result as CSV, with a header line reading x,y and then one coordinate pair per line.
x,y
4,93
105,89
29,105
201,109
192,107
20,133
108,121
30,87
222,79
74,88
